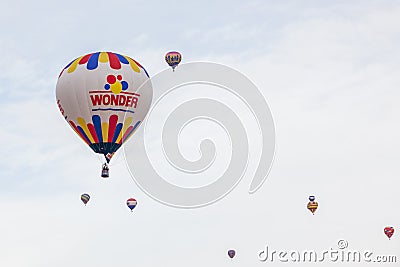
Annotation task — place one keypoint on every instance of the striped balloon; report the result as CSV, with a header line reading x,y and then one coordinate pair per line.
x,y
312,206
131,203
85,198
98,95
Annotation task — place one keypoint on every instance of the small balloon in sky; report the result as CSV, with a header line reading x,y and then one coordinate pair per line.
x,y
389,231
85,198
312,205
173,59
231,253
131,203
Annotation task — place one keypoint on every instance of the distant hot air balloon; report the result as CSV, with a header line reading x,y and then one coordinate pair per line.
x,y
85,198
131,203
173,59
231,253
389,231
312,205
98,96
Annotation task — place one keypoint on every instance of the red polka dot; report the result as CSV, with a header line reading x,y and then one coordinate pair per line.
x,y
111,79
119,77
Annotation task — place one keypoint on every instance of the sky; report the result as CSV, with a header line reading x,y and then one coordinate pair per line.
x,y
329,71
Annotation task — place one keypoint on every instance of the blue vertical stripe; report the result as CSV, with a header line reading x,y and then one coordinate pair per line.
x,y
97,126
117,131
93,61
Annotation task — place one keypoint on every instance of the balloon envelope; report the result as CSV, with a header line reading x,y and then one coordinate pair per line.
x,y
231,253
131,203
98,96
389,231
85,198
173,59
312,206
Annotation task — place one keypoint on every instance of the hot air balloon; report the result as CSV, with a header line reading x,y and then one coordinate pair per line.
x,y
231,253
312,205
98,96
85,198
131,203
389,231
173,59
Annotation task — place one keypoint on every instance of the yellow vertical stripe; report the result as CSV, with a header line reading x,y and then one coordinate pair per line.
x,y
127,123
119,137
104,129
82,123
74,64
103,57
133,64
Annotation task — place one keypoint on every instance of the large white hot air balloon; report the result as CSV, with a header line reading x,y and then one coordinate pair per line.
x,y
98,96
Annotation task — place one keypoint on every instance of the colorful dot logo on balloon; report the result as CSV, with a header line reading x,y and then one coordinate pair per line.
x,y
116,84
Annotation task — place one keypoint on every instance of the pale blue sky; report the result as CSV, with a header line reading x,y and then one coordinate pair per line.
x,y
329,70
